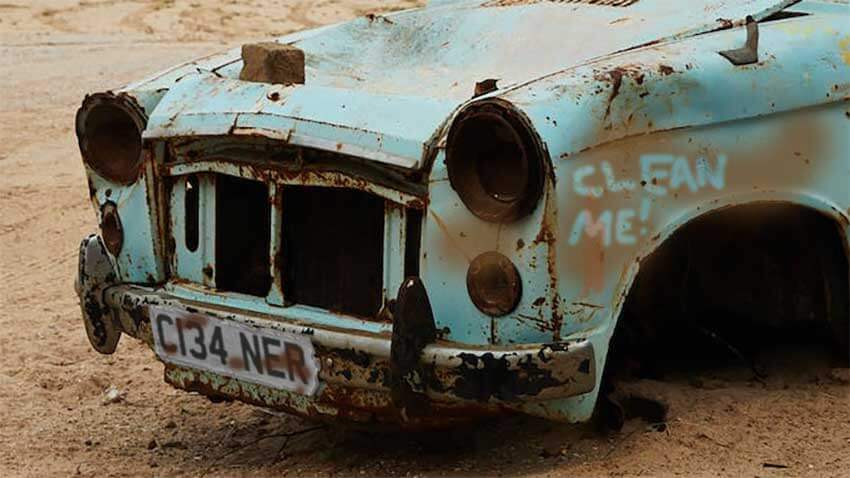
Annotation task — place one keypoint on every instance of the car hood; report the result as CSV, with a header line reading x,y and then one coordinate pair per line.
x,y
381,87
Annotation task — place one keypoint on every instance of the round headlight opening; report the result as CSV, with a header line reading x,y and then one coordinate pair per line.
x,y
502,153
495,163
109,130
494,284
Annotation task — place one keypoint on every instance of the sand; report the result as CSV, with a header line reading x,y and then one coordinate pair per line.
x,y
55,420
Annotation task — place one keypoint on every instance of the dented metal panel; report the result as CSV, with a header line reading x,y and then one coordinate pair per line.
x,y
347,122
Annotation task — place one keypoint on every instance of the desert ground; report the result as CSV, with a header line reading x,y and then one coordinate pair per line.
x,y
67,411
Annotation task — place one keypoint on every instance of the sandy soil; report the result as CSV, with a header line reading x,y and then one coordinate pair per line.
x,y
53,420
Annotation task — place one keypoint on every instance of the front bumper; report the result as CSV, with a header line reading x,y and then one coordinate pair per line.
x,y
356,374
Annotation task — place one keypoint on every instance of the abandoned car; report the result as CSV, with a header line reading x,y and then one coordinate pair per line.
x,y
447,212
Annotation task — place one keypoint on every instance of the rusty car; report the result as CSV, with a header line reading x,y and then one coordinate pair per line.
x,y
429,215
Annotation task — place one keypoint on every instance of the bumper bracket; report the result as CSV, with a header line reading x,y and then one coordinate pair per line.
x,y
413,330
96,273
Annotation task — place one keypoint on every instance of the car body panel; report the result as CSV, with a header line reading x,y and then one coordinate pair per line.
x,y
644,131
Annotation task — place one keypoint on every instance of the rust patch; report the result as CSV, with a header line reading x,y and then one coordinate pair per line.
x,y
236,363
375,17
269,160
294,360
413,330
334,403
198,321
485,86
547,235
844,47
486,377
359,358
615,78
449,236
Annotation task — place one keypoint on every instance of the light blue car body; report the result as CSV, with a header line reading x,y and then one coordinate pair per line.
x,y
645,124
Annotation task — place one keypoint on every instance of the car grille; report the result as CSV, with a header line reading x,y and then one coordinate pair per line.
x,y
322,245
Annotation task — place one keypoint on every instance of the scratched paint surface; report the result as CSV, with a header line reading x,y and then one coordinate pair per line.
x,y
410,53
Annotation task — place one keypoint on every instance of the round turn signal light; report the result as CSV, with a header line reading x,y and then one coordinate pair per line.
x,y
494,284
111,228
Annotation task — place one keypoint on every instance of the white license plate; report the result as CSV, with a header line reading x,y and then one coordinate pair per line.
x,y
259,355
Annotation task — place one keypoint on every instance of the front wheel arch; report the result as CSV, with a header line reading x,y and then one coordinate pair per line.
x,y
807,205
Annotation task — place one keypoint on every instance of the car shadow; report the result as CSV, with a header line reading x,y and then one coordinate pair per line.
x,y
258,442
710,410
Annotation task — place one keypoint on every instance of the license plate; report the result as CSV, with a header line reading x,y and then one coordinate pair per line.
x,y
263,356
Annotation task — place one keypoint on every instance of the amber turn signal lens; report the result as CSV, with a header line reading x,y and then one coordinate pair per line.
x,y
494,284
109,131
495,162
111,228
